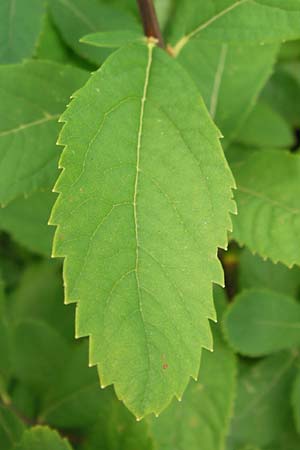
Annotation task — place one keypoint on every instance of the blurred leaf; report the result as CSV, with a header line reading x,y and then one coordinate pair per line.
x,y
11,429
268,192
254,272
29,128
296,402
75,20
262,408
42,438
290,51
75,399
50,45
39,296
21,22
27,221
222,70
116,428
111,39
283,93
260,322
265,128
36,359
234,21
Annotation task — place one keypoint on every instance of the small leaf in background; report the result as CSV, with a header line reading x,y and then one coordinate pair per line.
x,y
201,420
255,273
268,195
11,429
262,407
21,23
221,70
260,322
265,128
33,96
75,20
42,438
26,219
146,337
113,39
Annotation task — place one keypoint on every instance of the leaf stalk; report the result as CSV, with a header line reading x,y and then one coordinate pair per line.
x,y
150,21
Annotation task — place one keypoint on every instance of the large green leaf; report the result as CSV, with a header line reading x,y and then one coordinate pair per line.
x,y
42,438
254,272
27,221
144,204
262,409
233,21
33,95
75,20
221,70
268,203
21,22
259,322
201,420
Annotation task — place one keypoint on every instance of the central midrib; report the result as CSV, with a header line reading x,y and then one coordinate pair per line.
x,y
138,152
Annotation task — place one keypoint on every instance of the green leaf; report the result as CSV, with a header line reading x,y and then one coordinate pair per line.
x,y
21,23
27,221
262,409
42,438
254,272
222,70
201,421
233,21
113,39
11,429
75,20
268,203
265,128
33,95
260,322
146,336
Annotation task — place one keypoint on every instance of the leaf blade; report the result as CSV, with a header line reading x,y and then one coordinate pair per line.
x,y
142,250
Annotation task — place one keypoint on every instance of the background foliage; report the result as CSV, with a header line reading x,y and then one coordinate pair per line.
x,y
244,58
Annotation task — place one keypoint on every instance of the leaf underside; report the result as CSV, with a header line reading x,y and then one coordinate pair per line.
x,y
144,203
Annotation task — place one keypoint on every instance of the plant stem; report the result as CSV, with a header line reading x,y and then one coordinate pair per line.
x,y
150,22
